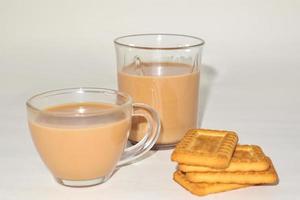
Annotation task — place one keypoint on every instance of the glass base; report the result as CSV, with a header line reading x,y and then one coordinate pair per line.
x,y
164,146
159,146
82,183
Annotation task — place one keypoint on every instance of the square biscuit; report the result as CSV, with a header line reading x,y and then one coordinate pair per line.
x,y
210,148
245,158
240,177
202,189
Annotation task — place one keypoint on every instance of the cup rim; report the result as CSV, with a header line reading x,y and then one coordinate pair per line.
x,y
107,91
200,42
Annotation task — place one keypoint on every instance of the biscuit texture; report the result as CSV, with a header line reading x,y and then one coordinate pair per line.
x,y
245,158
210,148
249,177
202,189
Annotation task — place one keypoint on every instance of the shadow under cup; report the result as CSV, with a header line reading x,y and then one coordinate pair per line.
x,y
81,133
163,71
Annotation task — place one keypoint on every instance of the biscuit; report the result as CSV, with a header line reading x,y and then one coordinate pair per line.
x,y
202,189
245,158
251,177
210,148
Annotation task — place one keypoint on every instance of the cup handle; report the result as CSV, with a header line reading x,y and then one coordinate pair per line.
x,y
136,151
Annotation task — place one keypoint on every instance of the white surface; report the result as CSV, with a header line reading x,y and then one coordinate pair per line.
x,y
250,84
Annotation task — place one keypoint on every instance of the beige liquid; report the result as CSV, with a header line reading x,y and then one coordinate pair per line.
x,y
173,93
80,149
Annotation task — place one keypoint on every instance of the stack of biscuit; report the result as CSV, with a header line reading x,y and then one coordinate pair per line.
x,y
211,161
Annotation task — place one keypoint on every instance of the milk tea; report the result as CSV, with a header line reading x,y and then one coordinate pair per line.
x,y
171,89
80,147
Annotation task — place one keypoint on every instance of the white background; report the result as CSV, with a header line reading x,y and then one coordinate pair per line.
x,y
250,84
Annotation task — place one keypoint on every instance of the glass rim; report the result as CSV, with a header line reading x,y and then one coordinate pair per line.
x,y
200,42
31,105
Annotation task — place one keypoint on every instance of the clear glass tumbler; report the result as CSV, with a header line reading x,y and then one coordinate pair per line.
x,y
81,133
161,70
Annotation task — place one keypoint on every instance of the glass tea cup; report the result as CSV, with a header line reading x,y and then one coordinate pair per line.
x,y
81,133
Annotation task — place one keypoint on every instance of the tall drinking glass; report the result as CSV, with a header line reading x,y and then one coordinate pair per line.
x,y
161,70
